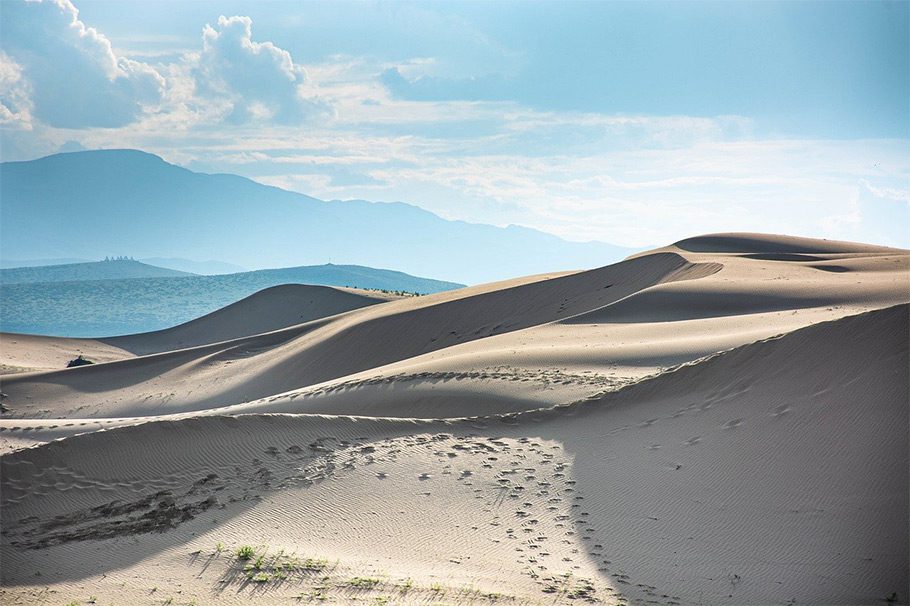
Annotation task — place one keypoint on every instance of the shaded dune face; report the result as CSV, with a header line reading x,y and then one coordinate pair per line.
x,y
680,428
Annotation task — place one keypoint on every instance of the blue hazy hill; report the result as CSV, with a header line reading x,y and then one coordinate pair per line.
x,y
95,203
118,269
90,308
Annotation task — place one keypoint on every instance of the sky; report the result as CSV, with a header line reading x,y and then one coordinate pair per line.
x,y
631,123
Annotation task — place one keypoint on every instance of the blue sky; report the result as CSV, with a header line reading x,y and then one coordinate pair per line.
x,y
633,123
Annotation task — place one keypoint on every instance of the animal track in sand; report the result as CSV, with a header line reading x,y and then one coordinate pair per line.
x,y
781,410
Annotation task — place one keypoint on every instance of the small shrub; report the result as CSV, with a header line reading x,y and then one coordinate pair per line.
x,y
79,361
245,552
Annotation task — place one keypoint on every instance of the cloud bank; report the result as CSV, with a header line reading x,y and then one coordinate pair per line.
x,y
56,70
69,71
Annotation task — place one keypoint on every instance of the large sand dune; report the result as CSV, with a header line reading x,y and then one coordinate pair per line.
x,y
723,421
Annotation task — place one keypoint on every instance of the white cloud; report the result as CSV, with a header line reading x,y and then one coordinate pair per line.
x,y
74,78
256,81
15,105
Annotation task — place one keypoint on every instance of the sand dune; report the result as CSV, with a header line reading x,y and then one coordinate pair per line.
x,y
716,422
260,366
267,310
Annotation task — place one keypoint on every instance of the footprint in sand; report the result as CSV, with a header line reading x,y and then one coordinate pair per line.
x,y
692,441
733,424
781,410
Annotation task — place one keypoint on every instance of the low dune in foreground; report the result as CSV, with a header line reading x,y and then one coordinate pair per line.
x,y
721,421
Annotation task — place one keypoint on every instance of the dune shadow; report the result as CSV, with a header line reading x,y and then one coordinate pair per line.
x,y
703,487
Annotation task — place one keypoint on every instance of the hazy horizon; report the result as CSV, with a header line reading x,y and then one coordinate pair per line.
x,y
632,124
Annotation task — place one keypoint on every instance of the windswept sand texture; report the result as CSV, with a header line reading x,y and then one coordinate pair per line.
x,y
722,421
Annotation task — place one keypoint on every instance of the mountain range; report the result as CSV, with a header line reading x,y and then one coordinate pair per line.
x,y
125,202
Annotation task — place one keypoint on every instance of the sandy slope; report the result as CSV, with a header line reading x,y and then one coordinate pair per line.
x,y
267,310
772,472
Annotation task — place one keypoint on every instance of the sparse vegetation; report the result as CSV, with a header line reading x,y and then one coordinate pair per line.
x,y
245,552
306,565
437,588
397,293
363,582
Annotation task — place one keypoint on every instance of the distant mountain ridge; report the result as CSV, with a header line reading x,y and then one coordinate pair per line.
x,y
8,263
90,308
118,269
86,204
205,268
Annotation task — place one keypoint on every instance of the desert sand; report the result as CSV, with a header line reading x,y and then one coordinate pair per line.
x,y
720,421
269,309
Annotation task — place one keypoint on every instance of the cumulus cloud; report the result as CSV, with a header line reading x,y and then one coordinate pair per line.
x,y
257,81
74,78
15,105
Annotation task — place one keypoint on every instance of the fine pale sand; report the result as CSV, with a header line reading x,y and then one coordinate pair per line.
x,y
721,421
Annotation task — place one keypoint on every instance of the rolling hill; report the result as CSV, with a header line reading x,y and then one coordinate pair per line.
x,y
120,269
